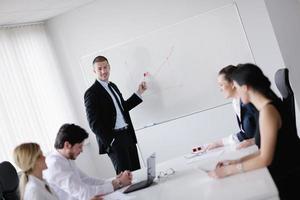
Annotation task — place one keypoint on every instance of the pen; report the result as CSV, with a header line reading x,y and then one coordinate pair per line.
x,y
223,163
205,170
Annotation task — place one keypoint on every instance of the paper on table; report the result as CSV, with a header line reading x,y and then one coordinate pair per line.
x,y
203,169
117,195
192,155
208,154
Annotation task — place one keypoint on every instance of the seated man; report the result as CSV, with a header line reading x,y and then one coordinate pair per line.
x,y
68,181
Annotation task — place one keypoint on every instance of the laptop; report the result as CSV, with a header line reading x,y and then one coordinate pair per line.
x,y
150,176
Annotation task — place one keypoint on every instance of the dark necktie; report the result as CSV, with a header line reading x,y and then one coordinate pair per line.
x,y
115,96
48,189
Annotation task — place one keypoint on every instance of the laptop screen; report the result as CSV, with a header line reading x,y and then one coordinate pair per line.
x,y
151,167
150,176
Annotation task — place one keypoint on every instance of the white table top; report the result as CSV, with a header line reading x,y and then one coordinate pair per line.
x,y
190,182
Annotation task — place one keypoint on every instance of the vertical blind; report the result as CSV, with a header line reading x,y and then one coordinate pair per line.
x,y
33,98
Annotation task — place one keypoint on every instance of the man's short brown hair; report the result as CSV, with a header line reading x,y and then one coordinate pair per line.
x,y
99,59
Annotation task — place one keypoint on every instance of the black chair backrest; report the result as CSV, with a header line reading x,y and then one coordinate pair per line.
x,y
283,84
9,182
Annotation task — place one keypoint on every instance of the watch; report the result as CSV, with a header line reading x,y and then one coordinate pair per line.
x,y
240,167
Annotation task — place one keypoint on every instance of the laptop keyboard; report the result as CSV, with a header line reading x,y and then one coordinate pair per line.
x,y
137,186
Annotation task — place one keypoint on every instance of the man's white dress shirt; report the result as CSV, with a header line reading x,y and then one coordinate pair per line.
x,y
120,121
69,182
35,189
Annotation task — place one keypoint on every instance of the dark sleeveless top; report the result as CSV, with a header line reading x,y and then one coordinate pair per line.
x,y
286,161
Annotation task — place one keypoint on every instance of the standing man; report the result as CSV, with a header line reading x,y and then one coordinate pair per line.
x,y
108,117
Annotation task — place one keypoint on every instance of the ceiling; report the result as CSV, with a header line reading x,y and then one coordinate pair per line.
x,y
28,11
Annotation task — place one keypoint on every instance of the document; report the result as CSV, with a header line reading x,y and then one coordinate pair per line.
x,y
117,195
205,155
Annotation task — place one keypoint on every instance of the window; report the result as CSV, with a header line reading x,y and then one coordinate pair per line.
x,y
33,98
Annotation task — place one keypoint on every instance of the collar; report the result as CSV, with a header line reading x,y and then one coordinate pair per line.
x,y
37,181
103,83
55,152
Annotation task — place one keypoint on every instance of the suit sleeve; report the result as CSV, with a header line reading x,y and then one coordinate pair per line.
x,y
94,118
132,102
248,124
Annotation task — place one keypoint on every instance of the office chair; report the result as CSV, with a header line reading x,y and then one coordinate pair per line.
x,y
9,182
283,84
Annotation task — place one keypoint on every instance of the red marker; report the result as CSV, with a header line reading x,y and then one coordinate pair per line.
x,y
146,76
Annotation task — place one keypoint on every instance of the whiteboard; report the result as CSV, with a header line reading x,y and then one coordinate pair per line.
x,y
182,61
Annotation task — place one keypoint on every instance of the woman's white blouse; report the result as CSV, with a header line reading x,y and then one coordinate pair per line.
x,y
35,189
232,139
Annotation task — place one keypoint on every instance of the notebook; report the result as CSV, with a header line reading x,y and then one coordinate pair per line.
x,y
151,171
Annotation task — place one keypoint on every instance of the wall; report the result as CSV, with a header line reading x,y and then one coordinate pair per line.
x,y
261,36
178,137
195,48
103,24
285,18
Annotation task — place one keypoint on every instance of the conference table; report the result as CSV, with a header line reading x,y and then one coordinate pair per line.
x,y
186,178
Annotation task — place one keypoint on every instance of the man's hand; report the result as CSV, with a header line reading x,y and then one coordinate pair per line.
x,y
122,179
142,88
125,177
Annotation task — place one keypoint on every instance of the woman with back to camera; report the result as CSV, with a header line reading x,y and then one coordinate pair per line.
x,y
277,144
30,159
245,114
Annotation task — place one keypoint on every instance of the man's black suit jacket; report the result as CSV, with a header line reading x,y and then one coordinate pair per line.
x,y
101,114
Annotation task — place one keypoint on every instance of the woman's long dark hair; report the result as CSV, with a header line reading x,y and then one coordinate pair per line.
x,y
252,75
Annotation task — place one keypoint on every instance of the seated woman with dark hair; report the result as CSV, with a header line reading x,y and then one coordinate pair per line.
x,y
245,113
277,144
